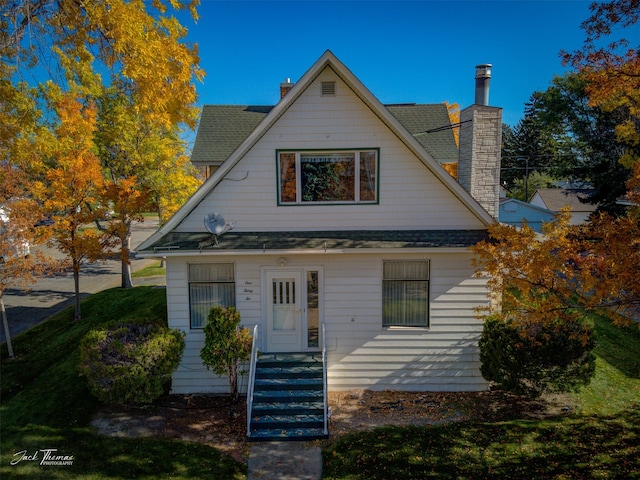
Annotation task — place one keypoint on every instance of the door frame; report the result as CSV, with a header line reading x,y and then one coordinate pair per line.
x,y
266,303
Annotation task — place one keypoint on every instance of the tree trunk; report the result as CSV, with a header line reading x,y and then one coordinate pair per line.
x,y
6,327
76,282
125,256
233,383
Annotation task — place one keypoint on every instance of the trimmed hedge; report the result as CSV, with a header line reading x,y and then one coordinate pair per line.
x,y
130,362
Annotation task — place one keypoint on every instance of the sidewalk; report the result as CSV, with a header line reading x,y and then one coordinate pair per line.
x,y
285,461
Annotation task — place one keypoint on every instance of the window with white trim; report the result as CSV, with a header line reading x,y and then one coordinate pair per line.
x,y
405,293
345,176
210,285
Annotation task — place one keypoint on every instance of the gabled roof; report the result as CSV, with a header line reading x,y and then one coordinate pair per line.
x,y
327,60
557,198
223,128
506,202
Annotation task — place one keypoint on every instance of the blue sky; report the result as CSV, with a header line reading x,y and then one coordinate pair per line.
x,y
415,51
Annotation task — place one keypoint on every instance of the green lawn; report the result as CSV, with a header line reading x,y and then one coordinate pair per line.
x,y
601,440
46,405
154,270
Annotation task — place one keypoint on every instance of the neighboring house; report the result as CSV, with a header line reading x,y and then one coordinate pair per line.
x,y
555,199
343,218
515,212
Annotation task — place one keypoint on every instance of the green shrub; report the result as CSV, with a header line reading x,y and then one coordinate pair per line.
x,y
533,359
226,345
130,362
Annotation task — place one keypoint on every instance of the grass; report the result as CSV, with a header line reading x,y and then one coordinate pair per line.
x,y
616,384
154,270
600,440
46,405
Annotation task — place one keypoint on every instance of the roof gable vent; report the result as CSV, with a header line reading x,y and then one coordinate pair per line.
x,y
328,88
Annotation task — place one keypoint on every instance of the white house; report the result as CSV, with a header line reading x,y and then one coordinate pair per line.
x,y
339,218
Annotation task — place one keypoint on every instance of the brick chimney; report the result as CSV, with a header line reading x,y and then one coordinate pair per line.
x,y
480,144
285,87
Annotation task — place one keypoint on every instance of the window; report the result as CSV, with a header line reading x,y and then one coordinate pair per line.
x,y
348,176
405,293
210,285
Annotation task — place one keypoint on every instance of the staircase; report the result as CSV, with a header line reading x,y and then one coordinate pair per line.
x,y
288,398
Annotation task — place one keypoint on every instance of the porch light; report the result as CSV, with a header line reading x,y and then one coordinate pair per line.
x,y
282,261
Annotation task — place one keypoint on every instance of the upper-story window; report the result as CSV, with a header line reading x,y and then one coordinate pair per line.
x,y
345,176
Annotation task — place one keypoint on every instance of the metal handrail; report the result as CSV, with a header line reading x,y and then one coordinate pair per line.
x,y
325,382
252,377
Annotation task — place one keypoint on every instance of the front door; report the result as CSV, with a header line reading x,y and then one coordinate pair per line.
x,y
284,311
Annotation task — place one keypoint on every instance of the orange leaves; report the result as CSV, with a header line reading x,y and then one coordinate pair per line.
x,y
73,180
453,110
567,271
613,72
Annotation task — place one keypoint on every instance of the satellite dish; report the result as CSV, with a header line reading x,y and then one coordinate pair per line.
x,y
215,225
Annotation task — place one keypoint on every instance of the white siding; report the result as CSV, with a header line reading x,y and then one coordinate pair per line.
x,y
362,354
410,197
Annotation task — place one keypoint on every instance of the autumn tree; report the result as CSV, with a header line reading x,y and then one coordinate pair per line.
x,y
549,283
72,184
542,302
19,265
138,42
611,68
20,262
133,52
144,164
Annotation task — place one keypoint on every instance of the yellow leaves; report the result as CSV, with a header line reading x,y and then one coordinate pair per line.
x,y
570,269
454,117
150,52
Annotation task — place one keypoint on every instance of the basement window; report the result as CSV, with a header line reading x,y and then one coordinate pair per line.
x,y
322,177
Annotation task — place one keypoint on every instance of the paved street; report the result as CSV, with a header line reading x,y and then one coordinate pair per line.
x,y
50,295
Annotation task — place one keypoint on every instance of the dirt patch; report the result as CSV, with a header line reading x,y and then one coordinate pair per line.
x,y
214,421
209,419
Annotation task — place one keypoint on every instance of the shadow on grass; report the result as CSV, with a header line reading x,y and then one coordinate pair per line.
x,y
576,448
619,346
107,457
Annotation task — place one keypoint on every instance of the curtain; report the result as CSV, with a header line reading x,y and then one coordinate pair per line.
x,y
210,285
405,295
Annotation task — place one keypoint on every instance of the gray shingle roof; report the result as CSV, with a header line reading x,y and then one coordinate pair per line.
x,y
224,127
320,240
418,119
557,198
